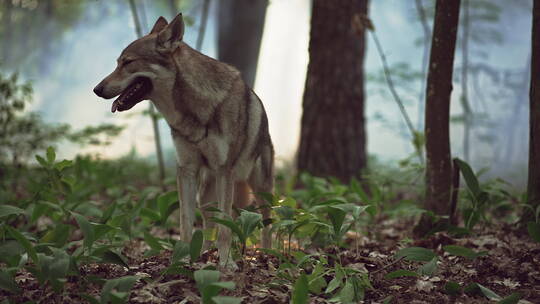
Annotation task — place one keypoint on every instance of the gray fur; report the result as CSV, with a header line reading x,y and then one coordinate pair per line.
x,y
218,124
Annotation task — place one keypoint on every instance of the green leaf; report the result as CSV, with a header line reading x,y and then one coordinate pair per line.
x,y
231,225
58,236
346,295
429,268
42,161
205,277
112,257
120,285
164,203
249,221
226,285
226,300
150,214
86,228
401,273
300,290
180,251
489,293
534,231
335,283
463,251
7,282
58,265
511,299
25,243
51,155
63,164
152,241
418,254
470,177
196,244
452,288
6,210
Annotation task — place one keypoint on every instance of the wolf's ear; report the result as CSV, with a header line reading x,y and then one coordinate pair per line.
x,y
161,23
171,36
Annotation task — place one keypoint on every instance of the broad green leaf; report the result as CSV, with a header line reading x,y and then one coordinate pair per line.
x,y
227,300
489,293
42,161
86,228
418,254
51,155
196,245
112,257
463,251
226,285
164,203
249,221
59,235
152,241
59,265
346,295
470,177
534,231
7,282
122,285
25,243
337,218
401,273
231,225
63,164
511,299
6,210
205,277
150,214
452,288
335,283
180,251
300,290
429,268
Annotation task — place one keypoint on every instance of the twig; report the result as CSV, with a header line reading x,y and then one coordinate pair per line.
x,y
395,94
387,266
157,137
202,28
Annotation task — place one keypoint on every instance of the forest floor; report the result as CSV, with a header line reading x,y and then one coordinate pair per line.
x,y
511,265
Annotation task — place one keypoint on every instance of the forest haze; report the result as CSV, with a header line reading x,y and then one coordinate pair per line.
x,y
269,151
58,54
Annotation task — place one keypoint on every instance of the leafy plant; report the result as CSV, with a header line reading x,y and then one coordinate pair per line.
x,y
209,285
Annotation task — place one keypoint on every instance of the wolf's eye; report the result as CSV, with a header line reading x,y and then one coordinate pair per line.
x,y
128,61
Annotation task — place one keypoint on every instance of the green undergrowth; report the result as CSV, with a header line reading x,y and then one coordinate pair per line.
x,y
59,215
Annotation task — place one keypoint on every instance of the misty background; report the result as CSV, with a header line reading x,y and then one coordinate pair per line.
x,y
66,53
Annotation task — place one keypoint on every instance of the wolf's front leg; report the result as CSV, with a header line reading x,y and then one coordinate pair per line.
x,y
187,182
224,191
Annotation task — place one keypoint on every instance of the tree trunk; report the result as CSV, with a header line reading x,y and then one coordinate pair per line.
x,y
439,89
241,24
333,137
533,186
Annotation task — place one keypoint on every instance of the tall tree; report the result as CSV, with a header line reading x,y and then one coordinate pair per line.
x,y
333,137
533,186
439,89
241,24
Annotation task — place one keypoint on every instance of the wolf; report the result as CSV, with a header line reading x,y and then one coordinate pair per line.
x,y
218,124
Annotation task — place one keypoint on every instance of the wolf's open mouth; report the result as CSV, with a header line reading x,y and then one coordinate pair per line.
x,y
132,95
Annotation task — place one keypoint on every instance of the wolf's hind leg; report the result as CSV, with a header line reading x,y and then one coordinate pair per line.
x,y
261,180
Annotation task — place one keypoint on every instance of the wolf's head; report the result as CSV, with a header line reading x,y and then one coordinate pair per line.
x,y
141,64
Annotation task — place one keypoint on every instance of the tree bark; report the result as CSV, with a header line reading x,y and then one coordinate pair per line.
x,y
533,186
333,137
439,89
241,24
